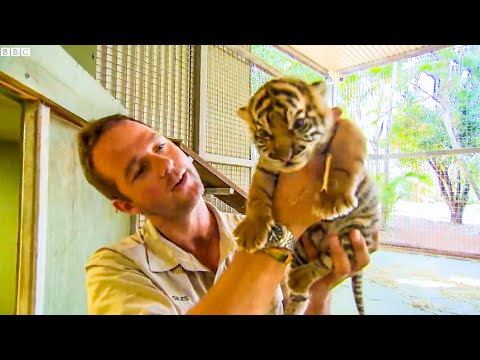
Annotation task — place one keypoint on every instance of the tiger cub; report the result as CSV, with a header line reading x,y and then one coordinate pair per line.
x,y
290,121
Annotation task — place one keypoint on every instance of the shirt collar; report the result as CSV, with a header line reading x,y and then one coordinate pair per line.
x,y
164,255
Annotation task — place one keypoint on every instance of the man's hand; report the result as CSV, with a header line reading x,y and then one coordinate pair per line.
x,y
293,201
320,291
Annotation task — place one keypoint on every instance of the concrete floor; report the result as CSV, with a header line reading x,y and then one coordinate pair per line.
x,y
402,283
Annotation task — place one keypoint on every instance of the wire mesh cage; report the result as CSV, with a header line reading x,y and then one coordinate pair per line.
x,y
153,82
420,117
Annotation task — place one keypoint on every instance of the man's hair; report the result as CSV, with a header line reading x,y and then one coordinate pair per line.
x,y
87,138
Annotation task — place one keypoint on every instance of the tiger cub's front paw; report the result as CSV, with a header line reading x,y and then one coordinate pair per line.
x,y
252,233
330,205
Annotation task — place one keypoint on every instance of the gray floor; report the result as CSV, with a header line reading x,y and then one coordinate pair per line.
x,y
401,283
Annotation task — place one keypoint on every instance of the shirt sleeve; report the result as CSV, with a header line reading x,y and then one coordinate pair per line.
x,y
115,286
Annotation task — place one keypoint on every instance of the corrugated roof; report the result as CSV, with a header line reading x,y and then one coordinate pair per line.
x,y
338,60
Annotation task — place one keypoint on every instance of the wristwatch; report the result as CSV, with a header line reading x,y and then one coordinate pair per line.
x,y
280,244
280,237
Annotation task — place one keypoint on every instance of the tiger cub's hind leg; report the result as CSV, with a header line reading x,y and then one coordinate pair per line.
x,y
301,278
296,304
344,169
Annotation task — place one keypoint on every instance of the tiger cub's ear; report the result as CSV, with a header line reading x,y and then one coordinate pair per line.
x,y
244,114
320,88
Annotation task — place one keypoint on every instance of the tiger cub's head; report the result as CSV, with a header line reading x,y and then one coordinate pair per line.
x,y
287,119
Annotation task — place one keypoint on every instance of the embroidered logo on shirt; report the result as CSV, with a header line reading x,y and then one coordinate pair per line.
x,y
180,298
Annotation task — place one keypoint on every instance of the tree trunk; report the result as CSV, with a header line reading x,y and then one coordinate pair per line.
x,y
456,213
456,199
447,118
448,123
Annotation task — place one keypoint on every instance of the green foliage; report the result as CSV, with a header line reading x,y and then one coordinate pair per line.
x,y
283,63
400,187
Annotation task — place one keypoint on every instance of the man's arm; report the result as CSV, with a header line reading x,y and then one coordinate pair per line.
x,y
116,286
246,287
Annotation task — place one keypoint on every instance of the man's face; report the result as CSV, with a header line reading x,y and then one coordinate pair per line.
x,y
149,169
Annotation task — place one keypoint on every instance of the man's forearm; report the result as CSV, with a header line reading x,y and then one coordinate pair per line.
x,y
320,300
246,287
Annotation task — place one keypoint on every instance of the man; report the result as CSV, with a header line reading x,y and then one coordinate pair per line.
x,y
184,259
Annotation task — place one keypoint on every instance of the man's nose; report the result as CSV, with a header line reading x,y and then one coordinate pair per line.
x,y
162,164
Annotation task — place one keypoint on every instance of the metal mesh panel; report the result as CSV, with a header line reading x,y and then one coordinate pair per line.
x,y
153,82
421,120
220,205
366,99
240,175
431,206
259,77
228,89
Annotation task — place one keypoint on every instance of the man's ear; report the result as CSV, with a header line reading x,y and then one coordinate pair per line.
x,y
125,207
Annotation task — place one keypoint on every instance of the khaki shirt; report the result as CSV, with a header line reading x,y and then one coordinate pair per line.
x,y
147,274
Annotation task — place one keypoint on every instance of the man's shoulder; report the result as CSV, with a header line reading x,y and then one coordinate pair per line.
x,y
231,220
117,253
230,217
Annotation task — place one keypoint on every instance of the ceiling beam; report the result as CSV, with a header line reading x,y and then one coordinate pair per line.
x,y
394,58
302,58
255,59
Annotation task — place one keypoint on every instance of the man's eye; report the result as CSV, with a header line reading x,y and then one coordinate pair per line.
x,y
140,172
158,147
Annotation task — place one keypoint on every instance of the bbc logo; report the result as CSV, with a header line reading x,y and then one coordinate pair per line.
x,y
14,51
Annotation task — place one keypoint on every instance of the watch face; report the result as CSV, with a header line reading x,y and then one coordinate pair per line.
x,y
278,231
280,237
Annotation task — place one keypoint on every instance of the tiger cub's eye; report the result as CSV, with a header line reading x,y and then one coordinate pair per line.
x,y
264,133
298,123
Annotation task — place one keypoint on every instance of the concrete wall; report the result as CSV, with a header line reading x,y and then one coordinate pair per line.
x,y
79,220
85,55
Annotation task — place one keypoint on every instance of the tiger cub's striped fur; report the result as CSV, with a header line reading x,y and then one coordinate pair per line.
x,y
303,273
290,121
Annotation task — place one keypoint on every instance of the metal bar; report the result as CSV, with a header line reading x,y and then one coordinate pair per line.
x,y
302,58
230,160
219,191
254,59
425,153
200,99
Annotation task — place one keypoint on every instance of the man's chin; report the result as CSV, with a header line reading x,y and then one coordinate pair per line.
x,y
190,198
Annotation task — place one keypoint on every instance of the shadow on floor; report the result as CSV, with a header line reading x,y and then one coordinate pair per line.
x,y
402,283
